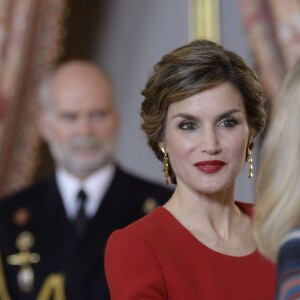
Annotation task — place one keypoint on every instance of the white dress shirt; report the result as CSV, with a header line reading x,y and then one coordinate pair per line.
x,y
95,187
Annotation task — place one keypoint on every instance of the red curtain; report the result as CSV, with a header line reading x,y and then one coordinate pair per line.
x,y
31,33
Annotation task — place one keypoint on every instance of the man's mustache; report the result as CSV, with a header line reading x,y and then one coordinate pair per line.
x,y
84,143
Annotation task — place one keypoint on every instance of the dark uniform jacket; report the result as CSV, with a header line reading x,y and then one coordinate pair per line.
x,y
36,235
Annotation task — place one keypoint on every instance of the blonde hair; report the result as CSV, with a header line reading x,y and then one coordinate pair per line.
x,y
277,187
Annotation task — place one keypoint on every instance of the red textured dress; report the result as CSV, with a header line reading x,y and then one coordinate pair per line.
x,y
157,258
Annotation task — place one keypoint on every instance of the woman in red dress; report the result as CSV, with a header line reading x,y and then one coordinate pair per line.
x,y
202,108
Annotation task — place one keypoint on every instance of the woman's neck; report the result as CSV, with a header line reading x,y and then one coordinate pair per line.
x,y
213,219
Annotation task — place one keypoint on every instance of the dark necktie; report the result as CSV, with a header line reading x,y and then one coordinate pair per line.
x,y
81,220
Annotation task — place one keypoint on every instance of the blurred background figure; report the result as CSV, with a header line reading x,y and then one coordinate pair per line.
x,y
277,212
63,222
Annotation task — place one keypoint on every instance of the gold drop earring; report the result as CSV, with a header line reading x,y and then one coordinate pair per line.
x,y
166,165
249,159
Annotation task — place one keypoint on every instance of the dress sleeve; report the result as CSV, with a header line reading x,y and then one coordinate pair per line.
x,y
131,269
288,275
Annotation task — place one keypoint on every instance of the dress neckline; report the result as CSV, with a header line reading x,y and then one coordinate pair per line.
x,y
180,228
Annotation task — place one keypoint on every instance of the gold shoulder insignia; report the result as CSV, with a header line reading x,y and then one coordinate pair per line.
x,y
3,287
21,217
149,204
53,288
24,259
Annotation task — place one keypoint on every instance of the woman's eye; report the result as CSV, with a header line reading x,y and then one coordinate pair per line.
x,y
231,122
187,125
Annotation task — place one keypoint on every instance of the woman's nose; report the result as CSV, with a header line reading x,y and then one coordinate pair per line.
x,y
210,142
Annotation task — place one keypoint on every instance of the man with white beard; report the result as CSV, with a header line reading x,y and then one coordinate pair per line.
x,y
53,234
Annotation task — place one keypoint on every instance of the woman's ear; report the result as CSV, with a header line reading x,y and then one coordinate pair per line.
x,y
250,139
161,145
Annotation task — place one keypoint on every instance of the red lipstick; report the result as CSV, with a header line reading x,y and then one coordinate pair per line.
x,y
210,166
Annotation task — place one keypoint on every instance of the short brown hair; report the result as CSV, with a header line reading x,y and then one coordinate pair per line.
x,y
191,69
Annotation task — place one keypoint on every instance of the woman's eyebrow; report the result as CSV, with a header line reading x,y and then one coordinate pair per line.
x,y
226,114
186,116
